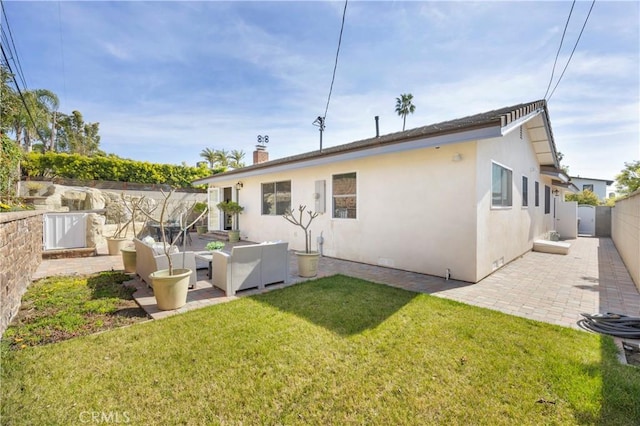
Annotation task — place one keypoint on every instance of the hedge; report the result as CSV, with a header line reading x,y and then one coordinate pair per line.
x,y
75,166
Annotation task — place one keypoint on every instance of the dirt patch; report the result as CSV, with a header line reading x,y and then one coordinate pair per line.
x,y
55,309
632,353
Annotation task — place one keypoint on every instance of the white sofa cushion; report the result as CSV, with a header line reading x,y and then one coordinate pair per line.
x,y
250,266
147,261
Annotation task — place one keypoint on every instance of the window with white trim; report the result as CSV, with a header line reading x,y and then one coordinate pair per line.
x,y
501,186
276,197
547,199
344,187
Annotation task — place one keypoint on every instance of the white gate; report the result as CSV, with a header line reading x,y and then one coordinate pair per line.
x,y
586,220
567,219
64,230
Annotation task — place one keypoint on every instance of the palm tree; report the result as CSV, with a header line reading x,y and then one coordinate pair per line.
x,y
404,107
222,158
31,121
210,155
236,158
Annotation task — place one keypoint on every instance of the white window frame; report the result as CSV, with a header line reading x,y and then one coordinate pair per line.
x,y
275,197
509,188
335,214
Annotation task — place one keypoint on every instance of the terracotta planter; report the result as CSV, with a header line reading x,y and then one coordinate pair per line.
x,y
308,264
170,290
129,259
114,245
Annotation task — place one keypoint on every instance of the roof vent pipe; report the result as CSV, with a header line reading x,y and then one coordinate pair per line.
x,y
377,127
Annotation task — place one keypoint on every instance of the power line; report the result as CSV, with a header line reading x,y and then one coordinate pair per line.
x,y
320,121
553,70
16,59
24,101
64,75
573,51
335,66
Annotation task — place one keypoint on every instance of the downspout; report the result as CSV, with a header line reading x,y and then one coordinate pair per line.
x,y
320,242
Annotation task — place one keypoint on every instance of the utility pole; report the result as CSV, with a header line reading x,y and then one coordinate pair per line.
x,y
320,123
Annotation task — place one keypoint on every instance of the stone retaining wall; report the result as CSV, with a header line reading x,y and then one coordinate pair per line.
x,y
20,256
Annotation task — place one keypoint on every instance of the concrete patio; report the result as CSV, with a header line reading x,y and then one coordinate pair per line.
x,y
545,287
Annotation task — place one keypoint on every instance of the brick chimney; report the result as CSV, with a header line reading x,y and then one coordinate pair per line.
x,y
260,155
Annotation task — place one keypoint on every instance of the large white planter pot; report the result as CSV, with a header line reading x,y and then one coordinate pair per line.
x,y
114,245
129,259
170,290
307,264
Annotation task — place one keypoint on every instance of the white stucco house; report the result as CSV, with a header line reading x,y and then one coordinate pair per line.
x,y
597,186
463,197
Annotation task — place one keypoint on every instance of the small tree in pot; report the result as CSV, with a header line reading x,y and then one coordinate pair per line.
x,y
234,209
199,208
170,285
134,207
117,212
307,260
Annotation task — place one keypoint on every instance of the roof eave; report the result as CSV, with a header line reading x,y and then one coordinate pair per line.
x,y
330,155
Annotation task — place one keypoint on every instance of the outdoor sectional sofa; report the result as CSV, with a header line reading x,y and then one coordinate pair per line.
x,y
151,258
250,266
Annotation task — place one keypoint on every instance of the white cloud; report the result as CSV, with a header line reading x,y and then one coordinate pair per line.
x,y
167,79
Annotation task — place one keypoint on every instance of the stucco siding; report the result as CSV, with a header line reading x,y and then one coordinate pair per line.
x,y
505,233
415,211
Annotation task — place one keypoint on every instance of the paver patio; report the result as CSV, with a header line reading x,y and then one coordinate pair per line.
x,y
543,287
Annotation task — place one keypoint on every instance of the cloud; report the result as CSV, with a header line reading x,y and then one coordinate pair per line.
x,y
167,79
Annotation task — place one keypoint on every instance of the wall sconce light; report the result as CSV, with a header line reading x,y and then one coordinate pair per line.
x,y
556,192
457,157
239,186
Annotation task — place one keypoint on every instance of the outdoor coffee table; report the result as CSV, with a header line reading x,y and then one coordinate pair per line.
x,y
206,257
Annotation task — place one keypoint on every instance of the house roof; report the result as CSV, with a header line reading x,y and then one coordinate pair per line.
x,y
488,124
607,181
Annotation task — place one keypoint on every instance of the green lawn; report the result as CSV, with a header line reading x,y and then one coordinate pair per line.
x,y
332,351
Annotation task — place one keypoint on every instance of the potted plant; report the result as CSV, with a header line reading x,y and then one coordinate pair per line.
x,y
134,207
170,285
307,260
234,209
214,245
34,188
199,208
118,213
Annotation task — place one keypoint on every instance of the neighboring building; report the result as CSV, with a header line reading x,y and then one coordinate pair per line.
x,y
597,186
465,196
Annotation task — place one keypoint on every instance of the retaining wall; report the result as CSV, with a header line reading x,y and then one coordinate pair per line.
x,y
20,256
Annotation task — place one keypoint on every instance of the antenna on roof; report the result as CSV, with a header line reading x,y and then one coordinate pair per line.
x,y
262,140
320,123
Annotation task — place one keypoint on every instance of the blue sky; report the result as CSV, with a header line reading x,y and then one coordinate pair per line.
x,y
167,79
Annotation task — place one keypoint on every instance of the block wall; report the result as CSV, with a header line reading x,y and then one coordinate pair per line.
x,y
626,233
20,256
